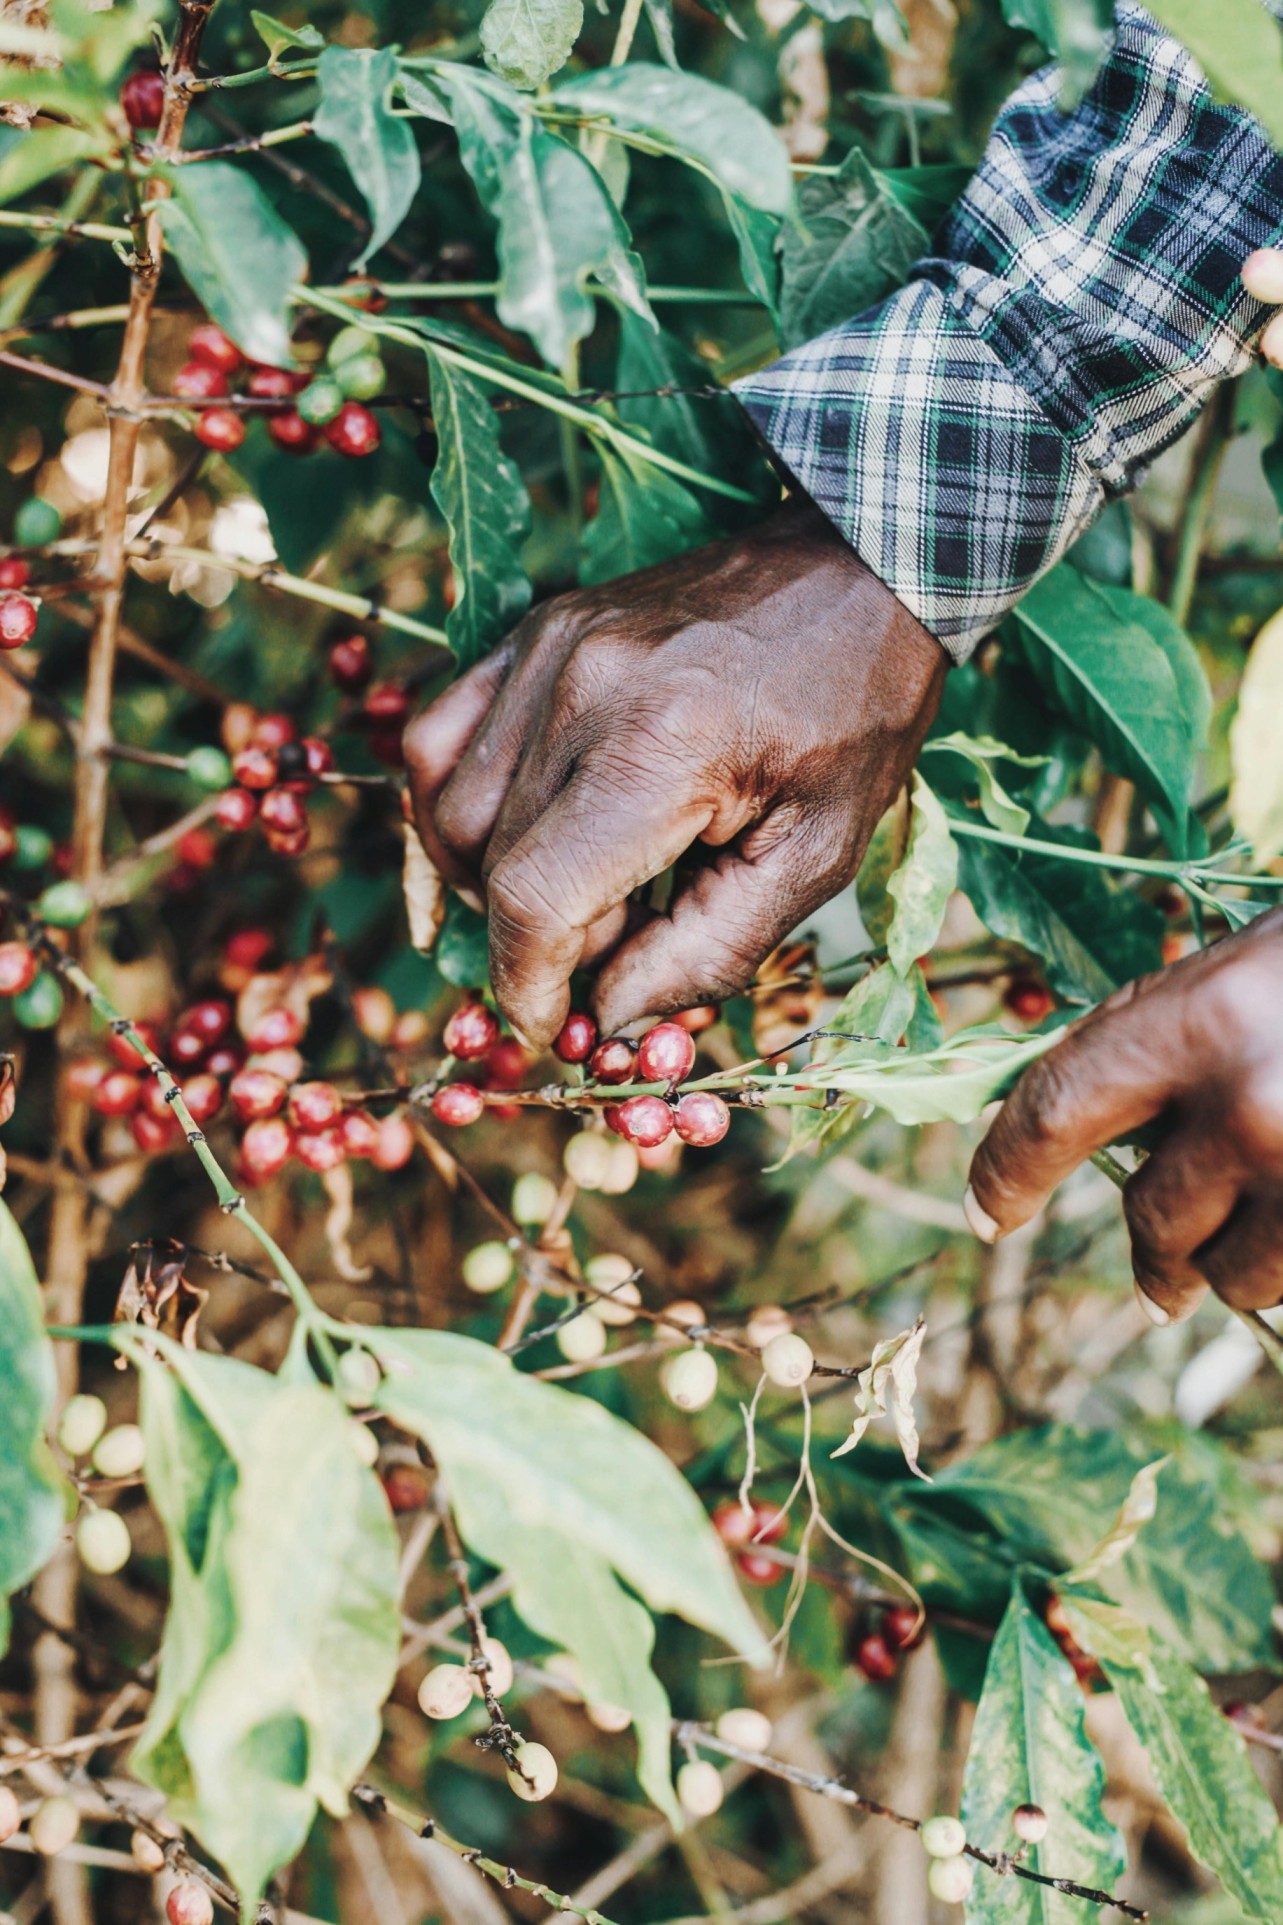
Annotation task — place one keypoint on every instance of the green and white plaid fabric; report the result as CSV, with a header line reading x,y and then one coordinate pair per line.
x,y
1082,303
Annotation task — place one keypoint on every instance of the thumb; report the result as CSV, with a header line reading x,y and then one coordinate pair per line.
x,y
722,922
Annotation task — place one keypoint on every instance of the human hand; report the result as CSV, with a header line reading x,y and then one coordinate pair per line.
x,y
765,696
1263,278
1198,1050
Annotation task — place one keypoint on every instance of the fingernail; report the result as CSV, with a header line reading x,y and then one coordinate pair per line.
x,y
982,1224
1154,1311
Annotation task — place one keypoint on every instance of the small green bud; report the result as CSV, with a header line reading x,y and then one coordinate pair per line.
x,y
320,401
32,847
40,1006
36,523
209,768
65,904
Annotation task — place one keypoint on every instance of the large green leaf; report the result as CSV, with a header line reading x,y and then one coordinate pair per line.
x,y
279,37
31,1504
923,883
281,1641
236,254
1197,1757
526,41
694,119
1091,935
851,242
878,1010
480,492
709,432
1123,671
1029,1746
1075,31
1240,49
756,235
377,147
643,517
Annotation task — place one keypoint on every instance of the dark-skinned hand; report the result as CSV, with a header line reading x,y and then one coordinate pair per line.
x,y
1197,1051
764,697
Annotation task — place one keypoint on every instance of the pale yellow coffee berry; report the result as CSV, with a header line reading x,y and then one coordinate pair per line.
x,y
102,1542
499,1666
950,1879
534,1198
586,1159
767,1321
446,1691
120,1452
148,1855
537,1777
685,1311
749,1729
83,1421
621,1171
613,1273
788,1361
53,1826
943,1836
610,1718
10,1814
583,1339
1029,1822
690,1379
364,1443
487,1267
699,1788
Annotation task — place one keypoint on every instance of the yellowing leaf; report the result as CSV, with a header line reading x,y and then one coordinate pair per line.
x,y
1139,1506
923,883
1256,791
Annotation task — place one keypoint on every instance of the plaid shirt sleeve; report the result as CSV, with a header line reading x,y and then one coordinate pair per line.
x,y
1083,302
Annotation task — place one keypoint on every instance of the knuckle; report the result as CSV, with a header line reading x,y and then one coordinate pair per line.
x,y
1256,1118
520,900
1153,1224
1047,1104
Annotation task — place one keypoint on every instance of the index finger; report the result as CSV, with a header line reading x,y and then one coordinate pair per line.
x,y
595,843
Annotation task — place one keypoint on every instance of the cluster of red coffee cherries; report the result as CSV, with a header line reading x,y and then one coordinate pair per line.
x,y
18,612
1084,1666
877,1655
274,772
294,422
747,1531
665,1054
385,705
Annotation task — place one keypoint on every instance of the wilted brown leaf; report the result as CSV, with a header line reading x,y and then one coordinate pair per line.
x,y
424,892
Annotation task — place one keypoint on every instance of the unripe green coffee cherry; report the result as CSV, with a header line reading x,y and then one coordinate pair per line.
x,y
487,1267
347,342
583,1339
40,1006
749,1729
36,522
32,847
209,768
121,1452
537,1777
950,1879
103,1542
699,1788
10,1814
534,1198
320,401
53,1826
446,1691
690,1379
65,904
357,1377
788,1360
943,1837
83,1421
1029,1822
361,377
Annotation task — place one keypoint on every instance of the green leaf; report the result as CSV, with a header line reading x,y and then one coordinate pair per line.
x,y
1075,31
282,1637
1029,1746
462,950
33,156
480,492
756,235
710,433
278,37
643,517
557,222
1105,657
526,41
1240,49
982,751
879,1007
693,119
377,148
236,254
1197,1757
1092,935
1256,792
923,883
31,1491
952,1083
551,1483
851,242
926,192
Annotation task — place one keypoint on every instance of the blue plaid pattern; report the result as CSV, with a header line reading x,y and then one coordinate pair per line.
x,y
1082,304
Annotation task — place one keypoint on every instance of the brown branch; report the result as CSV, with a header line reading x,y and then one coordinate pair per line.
x,y
43,372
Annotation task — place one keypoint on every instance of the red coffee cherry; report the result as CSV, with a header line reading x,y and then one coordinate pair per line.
x,y
221,429
644,1120
506,1064
118,1093
471,1031
246,948
360,1133
208,343
759,1567
613,1061
354,430
665,1054
14,572
142,99
203,1096
153,1099
875,1658
701,1017
8,834
198,381
387,705
1029,1000
18,618
291,432
283,812
406,1487
901,1627
210,1019
265,1148
19,968
289,842
273,730
256,767
740,1528
82,1077
225,1059
322,1150
701,1118
189,1904
152,1133
395,1145
235,809
256,1093
577,1038
277,1028
351,664
319,756
457,1104
315,1106
197,848
122,1051
275,384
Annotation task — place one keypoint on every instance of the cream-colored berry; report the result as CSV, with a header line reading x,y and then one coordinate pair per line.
x,y
767,1321
690,1379
364,1443
1263,275
699,1788
499,1667
688,1313
582,1339
83,1421
487,1267
586,1159
1029,1822
534,1198
943,1836
614,1274
53,1826
120,1451
149,1856
10,1814
611,1718
749,1729
950,1879
102,1542
446,1691
621,1171
788,1360
536,1778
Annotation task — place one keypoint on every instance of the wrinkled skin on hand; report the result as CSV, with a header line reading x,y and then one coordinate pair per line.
x,y
748,711
1196,1050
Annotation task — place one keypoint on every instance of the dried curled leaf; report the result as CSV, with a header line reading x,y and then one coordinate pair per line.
x,y
294,988
424,892
889,1384
338,1225
158,1295
1138,1507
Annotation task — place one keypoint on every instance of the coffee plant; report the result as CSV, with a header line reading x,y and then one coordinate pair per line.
x,y
407,1431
